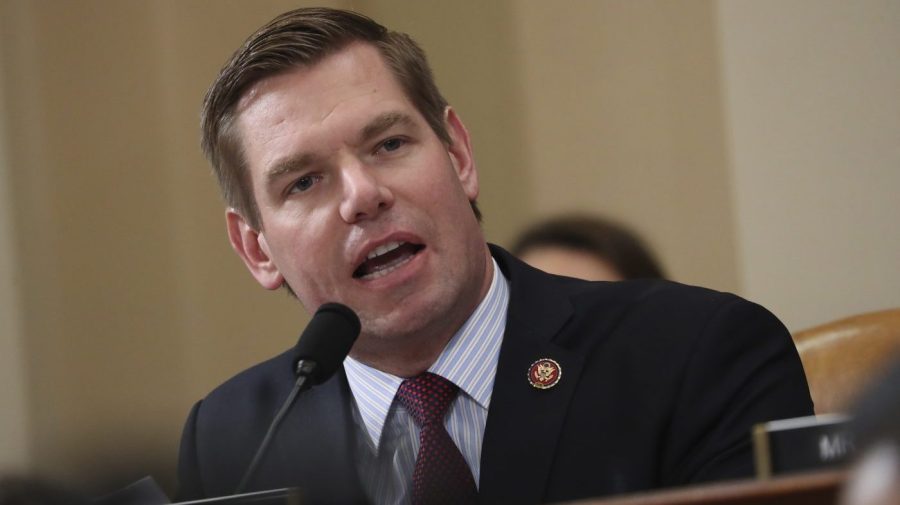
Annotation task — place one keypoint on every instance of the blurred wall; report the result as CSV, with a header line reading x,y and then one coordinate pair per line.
x,y
623,117
126,304
813,104
14,433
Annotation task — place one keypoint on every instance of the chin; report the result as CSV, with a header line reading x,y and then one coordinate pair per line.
x,y
408,319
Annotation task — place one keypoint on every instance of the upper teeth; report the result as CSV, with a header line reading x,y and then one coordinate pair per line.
x,y
390,246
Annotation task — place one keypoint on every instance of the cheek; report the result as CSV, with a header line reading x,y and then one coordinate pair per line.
x,y
310,280
308,251
440,184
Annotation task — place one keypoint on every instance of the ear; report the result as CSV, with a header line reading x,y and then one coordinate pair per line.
x,y
251,246
460,150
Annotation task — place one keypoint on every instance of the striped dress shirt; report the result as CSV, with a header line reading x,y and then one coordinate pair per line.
x,y
388,438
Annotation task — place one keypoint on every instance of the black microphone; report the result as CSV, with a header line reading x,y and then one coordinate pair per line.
x,y
322,348
325,342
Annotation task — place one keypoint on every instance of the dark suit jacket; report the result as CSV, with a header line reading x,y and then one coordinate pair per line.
x,y
660,386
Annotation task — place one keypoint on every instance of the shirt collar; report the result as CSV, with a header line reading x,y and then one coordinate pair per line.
x,y
469,360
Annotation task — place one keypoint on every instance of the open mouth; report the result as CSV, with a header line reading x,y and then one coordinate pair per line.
x,y
385,259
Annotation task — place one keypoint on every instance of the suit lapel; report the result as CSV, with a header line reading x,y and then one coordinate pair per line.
x,y
524,422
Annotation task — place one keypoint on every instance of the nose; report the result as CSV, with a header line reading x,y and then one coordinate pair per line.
x,y
365,196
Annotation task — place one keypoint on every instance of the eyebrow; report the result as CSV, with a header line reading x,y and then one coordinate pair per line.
x,y
372,129
290,165
382,123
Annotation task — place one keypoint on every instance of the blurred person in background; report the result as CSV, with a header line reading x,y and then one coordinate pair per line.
x,y
587,247
875,478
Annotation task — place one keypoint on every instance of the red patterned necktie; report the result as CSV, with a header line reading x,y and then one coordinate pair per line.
x,y
441,475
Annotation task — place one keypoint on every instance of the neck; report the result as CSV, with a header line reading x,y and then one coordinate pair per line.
x,y
409,361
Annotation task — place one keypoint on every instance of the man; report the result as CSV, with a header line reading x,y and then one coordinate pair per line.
x,y
349,179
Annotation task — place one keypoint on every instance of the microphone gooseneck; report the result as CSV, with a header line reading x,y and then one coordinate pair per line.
x,y
324,344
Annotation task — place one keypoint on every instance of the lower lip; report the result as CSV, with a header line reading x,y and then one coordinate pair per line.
x,y
399,274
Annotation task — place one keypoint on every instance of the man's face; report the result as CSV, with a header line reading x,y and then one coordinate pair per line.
x,y
361,203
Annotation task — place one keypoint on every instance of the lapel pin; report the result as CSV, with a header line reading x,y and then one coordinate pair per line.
x,y
544,373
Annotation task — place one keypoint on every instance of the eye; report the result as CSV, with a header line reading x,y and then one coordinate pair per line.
x,y
392,144
304,183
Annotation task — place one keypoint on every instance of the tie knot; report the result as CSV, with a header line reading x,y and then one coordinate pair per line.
x,y
427,397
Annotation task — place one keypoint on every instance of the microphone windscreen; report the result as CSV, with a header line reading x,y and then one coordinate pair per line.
x,y
327,339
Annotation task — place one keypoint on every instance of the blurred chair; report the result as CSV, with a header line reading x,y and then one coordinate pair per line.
x,y
841,357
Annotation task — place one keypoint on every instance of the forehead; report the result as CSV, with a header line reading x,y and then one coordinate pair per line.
x,y
311,106
354,71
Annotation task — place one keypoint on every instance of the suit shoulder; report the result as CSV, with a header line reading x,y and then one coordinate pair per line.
x,y
263,382
659,310
651,293
702,304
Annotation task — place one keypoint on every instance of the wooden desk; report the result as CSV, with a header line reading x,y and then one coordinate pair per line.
x,y
819,488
